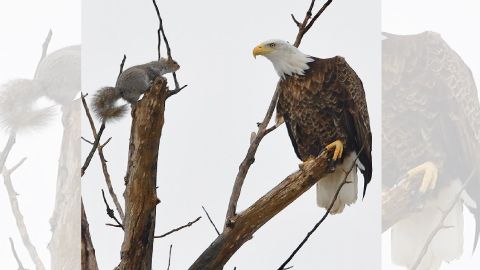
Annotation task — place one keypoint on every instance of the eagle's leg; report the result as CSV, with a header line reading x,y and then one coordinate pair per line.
x,y
279,120
338,149
430,175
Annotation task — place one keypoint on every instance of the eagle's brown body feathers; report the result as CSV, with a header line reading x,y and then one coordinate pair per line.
x,y
327,104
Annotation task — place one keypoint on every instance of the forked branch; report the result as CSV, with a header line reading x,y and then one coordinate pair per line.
x,y
246,223
160,34
308,21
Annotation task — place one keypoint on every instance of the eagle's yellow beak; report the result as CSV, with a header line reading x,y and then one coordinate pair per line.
x,y
261,50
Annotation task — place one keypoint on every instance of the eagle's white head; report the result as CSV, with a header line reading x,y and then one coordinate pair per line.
x,y
286,58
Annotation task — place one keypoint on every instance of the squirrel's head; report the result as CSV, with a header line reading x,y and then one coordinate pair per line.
x,y
169,64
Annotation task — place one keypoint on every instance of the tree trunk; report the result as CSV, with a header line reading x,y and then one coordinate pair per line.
x,y
65,222
141,179
89,260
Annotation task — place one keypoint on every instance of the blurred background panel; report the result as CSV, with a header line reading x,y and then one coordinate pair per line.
x,y
39,129
430,135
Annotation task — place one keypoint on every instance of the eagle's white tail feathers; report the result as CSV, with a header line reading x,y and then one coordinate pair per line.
x,y
328,186
410,234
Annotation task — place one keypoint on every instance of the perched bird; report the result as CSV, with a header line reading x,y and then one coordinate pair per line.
x,y
322,103
431,130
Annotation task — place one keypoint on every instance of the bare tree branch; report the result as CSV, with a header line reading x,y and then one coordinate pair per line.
x,y
169,257
19,262
95,144
325,215
87,141
161,32
101,155
249,159
441,224
308,21
211,221
246,223
22,228
122,64
98,135
179,228
6,150
400,201
110,211
45,45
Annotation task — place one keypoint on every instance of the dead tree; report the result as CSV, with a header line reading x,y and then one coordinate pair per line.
x,y
141,179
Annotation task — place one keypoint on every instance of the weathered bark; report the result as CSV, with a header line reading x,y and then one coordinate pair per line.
x,y
245,224
89,260
400,201
65,222
141,179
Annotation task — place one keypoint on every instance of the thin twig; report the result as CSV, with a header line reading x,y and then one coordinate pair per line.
x,y
105,143
160,33
249,159
440,224
308,21
121,65
19,262
6,150
103,161
211,221
110,211
87,141
22,228
179,228
14,168
45,45
169,257
325,215
295,20
113,225
95,144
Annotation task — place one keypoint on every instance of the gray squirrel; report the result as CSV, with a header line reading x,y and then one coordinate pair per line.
x,y
57,78
131,84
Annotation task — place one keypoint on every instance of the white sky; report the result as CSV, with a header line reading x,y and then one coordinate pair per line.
x,y
208,125
457,22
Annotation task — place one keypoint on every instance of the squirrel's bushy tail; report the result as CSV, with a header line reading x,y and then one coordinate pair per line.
x,y
104,104
19,110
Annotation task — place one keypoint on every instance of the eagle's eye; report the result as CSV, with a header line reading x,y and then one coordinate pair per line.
x,y
272,45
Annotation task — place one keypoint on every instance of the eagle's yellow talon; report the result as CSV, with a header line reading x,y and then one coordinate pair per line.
x,y
338,152
430,175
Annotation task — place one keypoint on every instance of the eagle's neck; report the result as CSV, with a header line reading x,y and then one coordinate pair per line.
x,y
290,63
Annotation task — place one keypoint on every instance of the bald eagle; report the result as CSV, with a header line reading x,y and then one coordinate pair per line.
x,y
322,103
431,130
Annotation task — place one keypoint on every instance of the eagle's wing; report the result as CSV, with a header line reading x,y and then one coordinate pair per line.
x,y
453,75
308,104
356,117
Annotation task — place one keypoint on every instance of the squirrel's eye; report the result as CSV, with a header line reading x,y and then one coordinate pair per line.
x,y
272,45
